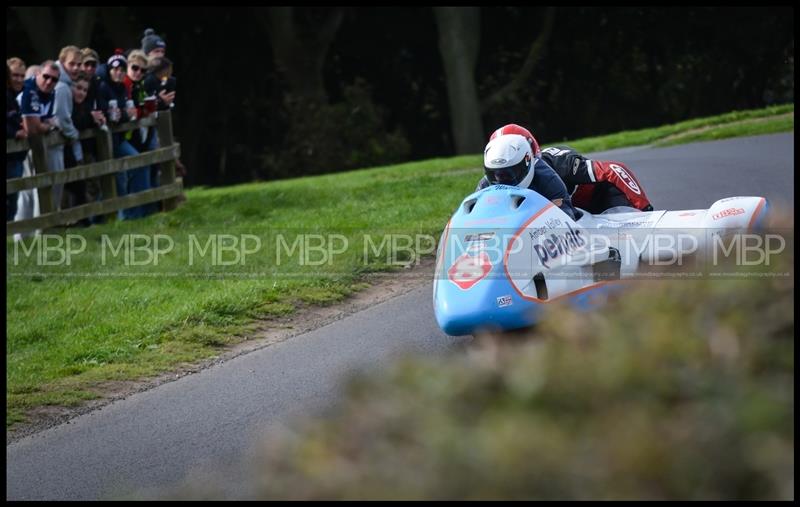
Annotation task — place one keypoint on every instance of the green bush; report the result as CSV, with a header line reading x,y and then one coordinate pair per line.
x,y
681,390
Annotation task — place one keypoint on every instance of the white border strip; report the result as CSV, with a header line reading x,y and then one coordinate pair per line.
x,y
590,170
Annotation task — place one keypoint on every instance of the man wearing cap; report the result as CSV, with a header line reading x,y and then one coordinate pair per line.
x,y
89,66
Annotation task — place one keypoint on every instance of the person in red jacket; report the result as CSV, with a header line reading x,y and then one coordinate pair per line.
x,y
594,185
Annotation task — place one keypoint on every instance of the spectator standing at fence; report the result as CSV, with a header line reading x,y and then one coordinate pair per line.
x,y
160,83
17,67
137,68
82,119
134,86
36,107
153,45
155,49
36,100
91,104
89,66
114,96
69,63
14,130
143,138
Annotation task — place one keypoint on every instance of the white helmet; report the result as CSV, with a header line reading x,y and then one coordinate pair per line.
x,y
508,160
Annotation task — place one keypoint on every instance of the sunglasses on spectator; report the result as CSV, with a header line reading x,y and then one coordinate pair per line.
x,y
48,77
136,68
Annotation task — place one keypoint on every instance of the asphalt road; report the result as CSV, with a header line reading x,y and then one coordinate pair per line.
x,y
206,424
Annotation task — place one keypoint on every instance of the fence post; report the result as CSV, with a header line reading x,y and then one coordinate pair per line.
x,y
105,151
164,127
39,152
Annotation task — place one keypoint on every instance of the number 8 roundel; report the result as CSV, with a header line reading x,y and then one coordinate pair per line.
x,y
468,270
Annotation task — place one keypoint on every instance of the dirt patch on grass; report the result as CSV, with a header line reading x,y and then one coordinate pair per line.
x,y
381,287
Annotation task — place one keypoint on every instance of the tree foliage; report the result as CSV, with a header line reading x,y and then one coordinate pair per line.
x,y
565,73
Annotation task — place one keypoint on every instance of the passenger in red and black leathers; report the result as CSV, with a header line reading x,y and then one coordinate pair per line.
x,y
596,185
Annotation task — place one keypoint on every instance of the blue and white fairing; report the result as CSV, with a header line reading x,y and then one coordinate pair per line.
x,y
487,256
507,251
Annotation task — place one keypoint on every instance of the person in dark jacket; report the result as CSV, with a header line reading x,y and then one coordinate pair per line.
x,y
89,66
82,120
14,130
160,83
113,97
91,105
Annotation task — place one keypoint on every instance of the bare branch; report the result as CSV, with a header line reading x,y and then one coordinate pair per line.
x,y
531,61
330,28
40,27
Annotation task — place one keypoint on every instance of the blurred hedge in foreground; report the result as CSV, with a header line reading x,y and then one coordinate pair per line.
x,y
686,393
680,389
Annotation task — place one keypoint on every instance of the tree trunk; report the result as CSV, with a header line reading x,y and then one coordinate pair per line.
x,y
121,27
301,59
78,26
47,37
459,41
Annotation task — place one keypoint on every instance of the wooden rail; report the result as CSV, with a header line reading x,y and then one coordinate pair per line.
x,y
105,169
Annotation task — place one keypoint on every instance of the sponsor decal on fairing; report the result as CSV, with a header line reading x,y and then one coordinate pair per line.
x,y
504,301
727,213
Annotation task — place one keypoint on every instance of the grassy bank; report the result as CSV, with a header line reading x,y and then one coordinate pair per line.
x,y
734,124
104,318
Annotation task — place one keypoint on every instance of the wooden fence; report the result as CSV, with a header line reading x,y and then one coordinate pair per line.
x,y
105,168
